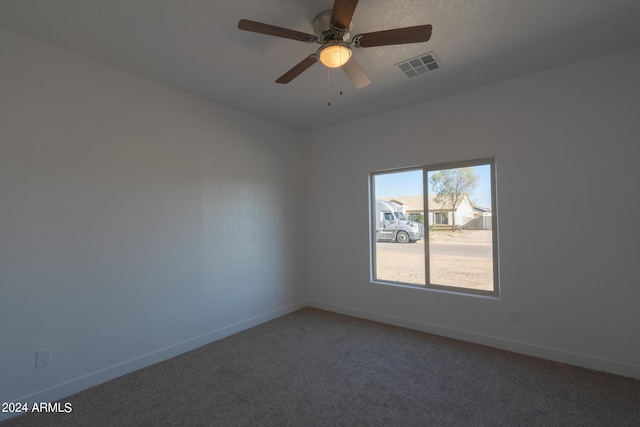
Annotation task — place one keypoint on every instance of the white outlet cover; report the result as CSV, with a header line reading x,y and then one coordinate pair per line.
x,y
43,358
514,317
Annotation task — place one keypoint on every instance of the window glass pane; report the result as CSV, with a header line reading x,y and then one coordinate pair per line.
x,y
460,227
398,226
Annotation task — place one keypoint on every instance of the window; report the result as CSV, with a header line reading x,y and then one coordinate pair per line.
x,y
442,218
446,240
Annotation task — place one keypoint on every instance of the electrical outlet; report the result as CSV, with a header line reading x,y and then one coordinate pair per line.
x,y
43,358
514,317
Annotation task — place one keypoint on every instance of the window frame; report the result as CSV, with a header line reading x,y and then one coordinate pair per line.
x,y
490,161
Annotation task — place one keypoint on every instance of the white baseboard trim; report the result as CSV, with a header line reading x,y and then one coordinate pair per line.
x,y
68,388
557,355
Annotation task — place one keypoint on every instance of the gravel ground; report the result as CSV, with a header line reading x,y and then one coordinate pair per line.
x,y
461,271
464,236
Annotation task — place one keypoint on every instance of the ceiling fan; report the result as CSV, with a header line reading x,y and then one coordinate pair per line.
x,y
332,28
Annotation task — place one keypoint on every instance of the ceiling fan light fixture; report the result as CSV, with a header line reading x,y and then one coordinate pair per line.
x,y
334,55
332,27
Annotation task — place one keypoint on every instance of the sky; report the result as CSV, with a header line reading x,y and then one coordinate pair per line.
x,y
410,184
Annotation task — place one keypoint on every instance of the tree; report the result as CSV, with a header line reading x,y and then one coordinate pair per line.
x,y
418,218
450,186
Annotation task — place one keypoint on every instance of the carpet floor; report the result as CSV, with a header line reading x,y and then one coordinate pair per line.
x,y
318,368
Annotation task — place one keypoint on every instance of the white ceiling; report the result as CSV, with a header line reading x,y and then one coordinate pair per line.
x,y
195,46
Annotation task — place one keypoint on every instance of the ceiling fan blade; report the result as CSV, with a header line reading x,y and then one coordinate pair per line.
x,y
343,12
272,30
417,34
356,74
298,69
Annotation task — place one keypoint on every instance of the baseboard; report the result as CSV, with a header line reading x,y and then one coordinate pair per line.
x,y
557,355
62,390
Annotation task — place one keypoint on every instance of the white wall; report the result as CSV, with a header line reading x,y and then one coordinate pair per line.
x,y
566,147
136,222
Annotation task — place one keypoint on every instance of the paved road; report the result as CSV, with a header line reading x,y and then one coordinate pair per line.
x,y
475,250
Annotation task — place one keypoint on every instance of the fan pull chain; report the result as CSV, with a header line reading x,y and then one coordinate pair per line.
x,y
328,87
340,76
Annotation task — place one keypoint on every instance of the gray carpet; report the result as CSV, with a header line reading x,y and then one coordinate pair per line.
x,y
317,368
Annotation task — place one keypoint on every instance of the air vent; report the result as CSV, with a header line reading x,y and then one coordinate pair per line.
x,y
421,64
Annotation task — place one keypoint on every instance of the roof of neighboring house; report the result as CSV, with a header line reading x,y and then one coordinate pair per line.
x,y
481,209
415,203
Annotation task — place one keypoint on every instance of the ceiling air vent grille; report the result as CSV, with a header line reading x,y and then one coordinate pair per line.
x,y
420,64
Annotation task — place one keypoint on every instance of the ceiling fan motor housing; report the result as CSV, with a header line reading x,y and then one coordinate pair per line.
x,y
325,31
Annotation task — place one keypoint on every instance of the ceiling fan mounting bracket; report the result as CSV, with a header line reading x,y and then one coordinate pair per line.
x,y
325,31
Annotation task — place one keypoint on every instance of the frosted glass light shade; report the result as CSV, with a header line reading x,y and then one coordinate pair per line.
x,y
334,56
